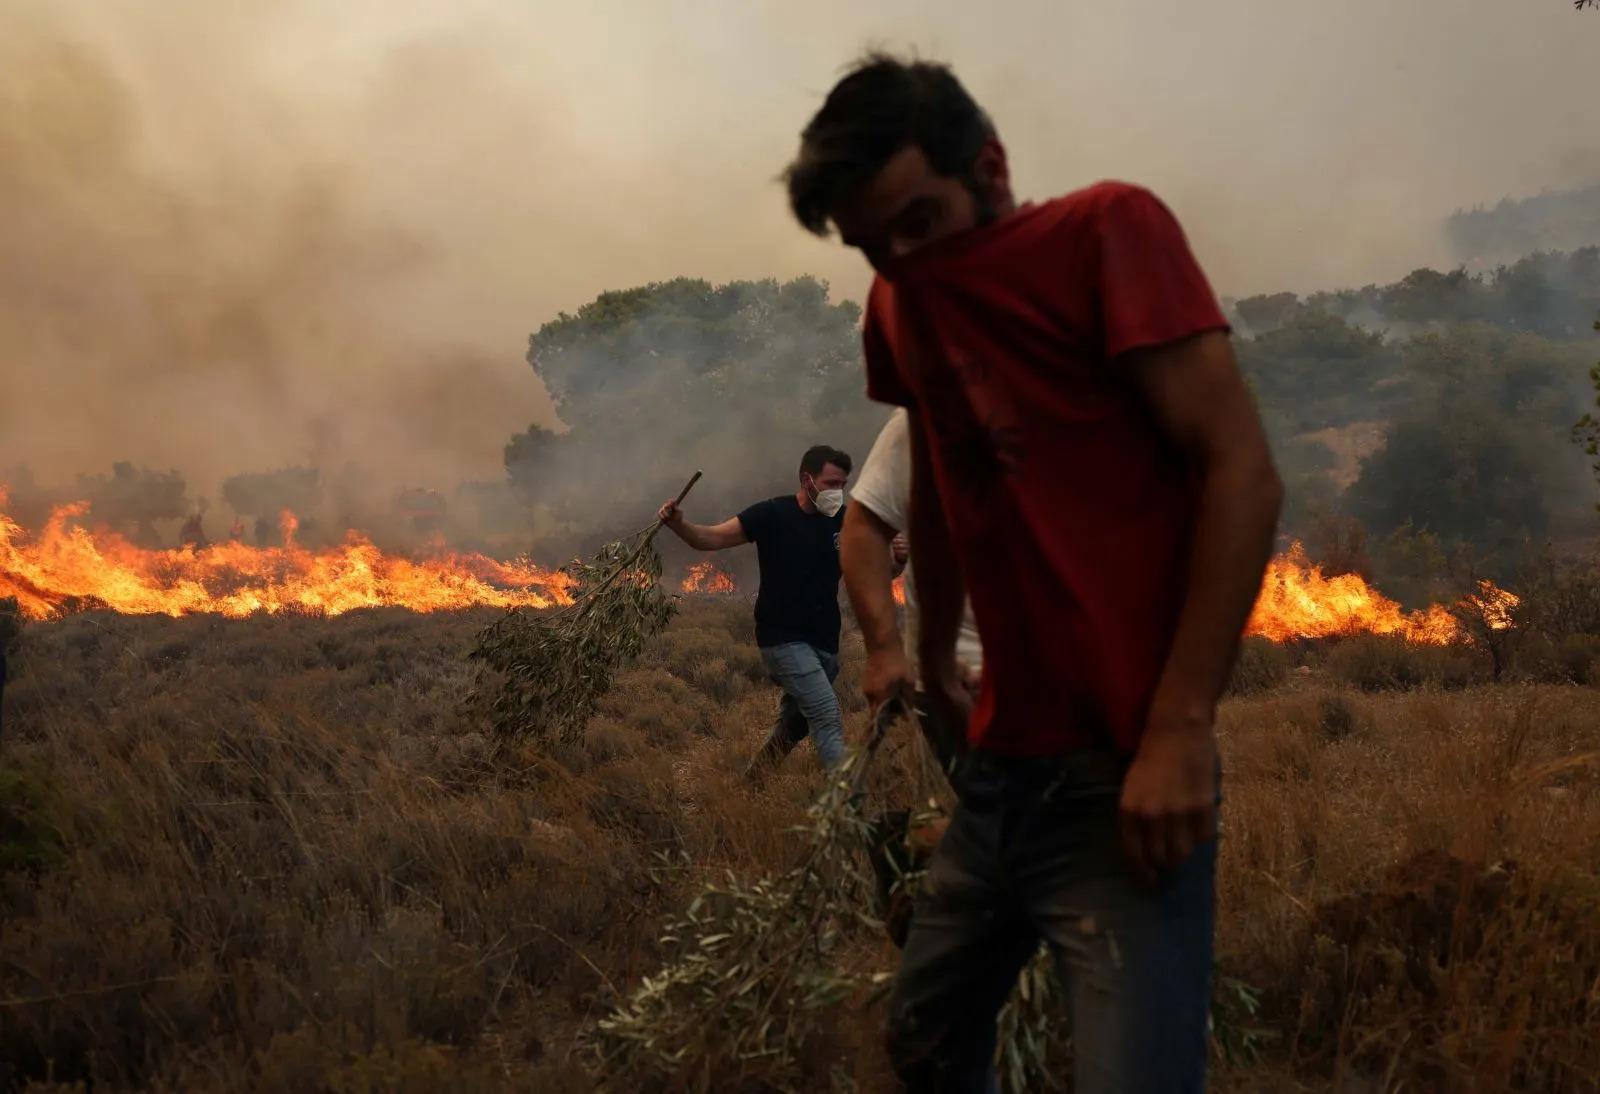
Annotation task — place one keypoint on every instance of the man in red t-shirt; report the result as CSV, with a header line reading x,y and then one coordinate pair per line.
x,y
1089,468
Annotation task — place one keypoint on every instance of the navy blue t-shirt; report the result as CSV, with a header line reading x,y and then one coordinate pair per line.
x,y
799,556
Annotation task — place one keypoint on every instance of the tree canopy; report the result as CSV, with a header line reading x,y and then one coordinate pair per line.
x,y
1553,293
656,381
1440,405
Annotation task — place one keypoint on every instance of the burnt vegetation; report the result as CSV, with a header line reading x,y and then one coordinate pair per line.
x,y
280,854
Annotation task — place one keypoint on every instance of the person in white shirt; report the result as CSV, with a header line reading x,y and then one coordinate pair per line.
x,y
872,549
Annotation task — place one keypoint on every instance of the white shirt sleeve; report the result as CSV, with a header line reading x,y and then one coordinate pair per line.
x,y
884,484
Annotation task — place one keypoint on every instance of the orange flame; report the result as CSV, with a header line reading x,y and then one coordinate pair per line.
x,y
1494,605
67,567
899,590
1298,601
704,577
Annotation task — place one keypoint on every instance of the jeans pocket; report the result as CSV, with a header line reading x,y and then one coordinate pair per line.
x,y
780,661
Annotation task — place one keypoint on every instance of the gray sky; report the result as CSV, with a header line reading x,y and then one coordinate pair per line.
x,y
245,235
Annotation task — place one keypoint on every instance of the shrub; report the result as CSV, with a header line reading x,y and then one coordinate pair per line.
x,y
1386,662
1394,973
1336,718
1262,665
1565,659
1559,598
32,822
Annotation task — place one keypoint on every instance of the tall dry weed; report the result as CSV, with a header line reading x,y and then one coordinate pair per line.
x,y
281,854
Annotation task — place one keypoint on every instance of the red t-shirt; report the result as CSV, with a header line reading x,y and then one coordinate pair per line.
x,y
1069,512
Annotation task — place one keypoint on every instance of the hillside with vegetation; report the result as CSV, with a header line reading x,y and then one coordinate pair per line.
x,y
1421,425
1431,419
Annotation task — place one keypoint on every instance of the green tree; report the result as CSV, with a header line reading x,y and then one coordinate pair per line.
x,y
1466,473
132,499
1316,370
1535,379
1587,430
653,382
1425,296
1264,312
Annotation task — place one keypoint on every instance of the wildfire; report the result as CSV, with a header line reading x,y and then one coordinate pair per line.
x,y
704,577
66,566
1298,601
899,590
1494,605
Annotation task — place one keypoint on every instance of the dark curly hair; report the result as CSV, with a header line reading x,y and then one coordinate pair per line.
x,y
881,105
819,456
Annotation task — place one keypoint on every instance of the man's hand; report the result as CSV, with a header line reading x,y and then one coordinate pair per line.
x,y
1169,796
887,676
670,515
950,692
900,549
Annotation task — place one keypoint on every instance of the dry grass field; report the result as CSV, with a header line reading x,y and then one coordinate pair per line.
x,y
279,854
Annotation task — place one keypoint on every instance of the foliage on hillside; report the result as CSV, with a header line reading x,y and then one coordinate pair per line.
x,y
1553,293
1561,220
1474,405
1467,384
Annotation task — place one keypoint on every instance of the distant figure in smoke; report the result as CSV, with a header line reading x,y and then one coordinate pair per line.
x,y
797,610
193,533
1088,465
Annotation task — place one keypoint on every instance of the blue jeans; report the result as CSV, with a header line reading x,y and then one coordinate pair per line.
x,y
1033,852
808,706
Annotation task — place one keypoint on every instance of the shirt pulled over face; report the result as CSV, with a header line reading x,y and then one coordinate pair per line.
x,y
1069,513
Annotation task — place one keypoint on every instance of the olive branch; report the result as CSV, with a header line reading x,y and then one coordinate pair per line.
x,y
555,665
755,965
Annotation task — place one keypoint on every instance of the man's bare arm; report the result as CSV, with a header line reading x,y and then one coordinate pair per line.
x,y
702,537
1200,401
867,558
941,590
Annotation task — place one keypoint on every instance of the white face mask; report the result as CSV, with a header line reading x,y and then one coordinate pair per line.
x,y
829,502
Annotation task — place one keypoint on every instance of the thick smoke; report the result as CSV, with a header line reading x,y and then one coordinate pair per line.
x,y
254,237
216,307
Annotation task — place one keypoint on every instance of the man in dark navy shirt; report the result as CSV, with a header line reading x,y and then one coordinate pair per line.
x,y
797,610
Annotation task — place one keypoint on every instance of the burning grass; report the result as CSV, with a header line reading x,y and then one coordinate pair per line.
x,y
68,567
273,854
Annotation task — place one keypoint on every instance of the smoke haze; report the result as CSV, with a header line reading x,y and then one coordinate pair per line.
x,y
291,234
